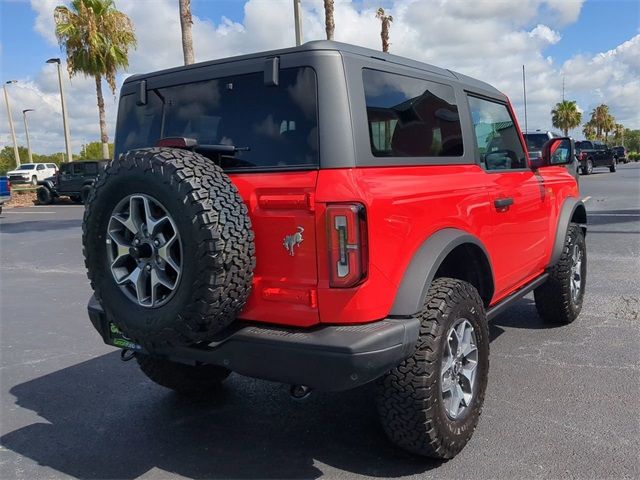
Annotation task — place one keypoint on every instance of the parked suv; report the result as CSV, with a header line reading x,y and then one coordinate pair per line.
x,y
327,216
592,154
32,173
621,154
536,140
74,180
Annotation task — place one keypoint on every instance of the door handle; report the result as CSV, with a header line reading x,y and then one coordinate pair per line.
x,y
503,203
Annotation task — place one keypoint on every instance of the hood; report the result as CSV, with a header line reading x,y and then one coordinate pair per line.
x,y
19,172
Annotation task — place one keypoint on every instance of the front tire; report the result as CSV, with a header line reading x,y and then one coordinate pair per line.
x,y
188,380
431,403
34,181
44,196
559,299
612,167
588,167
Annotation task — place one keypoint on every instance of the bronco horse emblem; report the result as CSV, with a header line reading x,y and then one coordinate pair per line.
x,y
293,240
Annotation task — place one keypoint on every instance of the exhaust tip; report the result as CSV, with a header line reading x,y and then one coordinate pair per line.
x,y
300,392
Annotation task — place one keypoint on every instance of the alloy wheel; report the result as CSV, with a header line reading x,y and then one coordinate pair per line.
x,y
458,372
144,250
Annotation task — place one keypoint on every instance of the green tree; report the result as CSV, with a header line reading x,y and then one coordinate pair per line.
x,y
589,130
93,151
601,119
566,116
7,159
632,140
97,39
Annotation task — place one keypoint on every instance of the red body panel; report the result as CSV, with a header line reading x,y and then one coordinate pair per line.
x,y
404,207
284,289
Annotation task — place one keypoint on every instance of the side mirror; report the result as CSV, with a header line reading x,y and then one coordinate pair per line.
x,y
557,151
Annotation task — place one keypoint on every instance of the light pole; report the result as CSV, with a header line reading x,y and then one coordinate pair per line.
x,y
16,154
26,129
65,125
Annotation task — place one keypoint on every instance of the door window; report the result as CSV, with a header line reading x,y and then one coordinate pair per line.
x,y
497,140
40,167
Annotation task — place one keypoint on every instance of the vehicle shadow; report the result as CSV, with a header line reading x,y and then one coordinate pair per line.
x,y
103,419
39,225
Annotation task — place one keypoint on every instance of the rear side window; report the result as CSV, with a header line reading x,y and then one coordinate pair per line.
x,y
410,117
278,124
91,168
79,168
497,139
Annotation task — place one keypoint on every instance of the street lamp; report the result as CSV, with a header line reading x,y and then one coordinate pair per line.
x,y
16,154
65,125
26,129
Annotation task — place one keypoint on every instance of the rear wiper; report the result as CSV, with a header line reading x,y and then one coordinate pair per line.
x,y
192,144
222,149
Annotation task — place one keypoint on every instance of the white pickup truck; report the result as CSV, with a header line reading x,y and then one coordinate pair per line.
x,y
32,173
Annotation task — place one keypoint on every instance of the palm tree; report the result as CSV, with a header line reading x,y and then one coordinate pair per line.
x,y
566,116
186,20
386,23
96,38
618,133
608,125
329,23
599,116
589,130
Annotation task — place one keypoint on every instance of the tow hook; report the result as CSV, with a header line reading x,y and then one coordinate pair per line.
x,y
300,392
127,354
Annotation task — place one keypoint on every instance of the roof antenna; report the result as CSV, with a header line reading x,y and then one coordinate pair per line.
x,y
524,88
298,21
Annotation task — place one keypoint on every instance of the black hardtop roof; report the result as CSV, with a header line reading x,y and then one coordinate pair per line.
x,y
328,45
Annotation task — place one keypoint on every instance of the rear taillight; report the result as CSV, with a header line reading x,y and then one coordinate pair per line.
x,y
8,186
347,237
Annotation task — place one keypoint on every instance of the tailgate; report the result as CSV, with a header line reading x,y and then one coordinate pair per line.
x,y
281,207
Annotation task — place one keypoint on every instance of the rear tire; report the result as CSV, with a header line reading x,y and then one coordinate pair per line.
x,y
612,167
557,300
43,194
588,167
196,270
415,399
189,380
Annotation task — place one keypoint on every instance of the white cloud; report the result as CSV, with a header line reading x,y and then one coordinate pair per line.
x,y
486,39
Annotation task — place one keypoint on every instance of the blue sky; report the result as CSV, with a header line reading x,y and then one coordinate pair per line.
x,y
602,25
594,44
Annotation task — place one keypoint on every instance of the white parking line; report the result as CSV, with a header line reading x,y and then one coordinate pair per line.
x,y
614,214
25,211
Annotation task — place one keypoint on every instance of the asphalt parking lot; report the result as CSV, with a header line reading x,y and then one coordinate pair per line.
x,y
562,402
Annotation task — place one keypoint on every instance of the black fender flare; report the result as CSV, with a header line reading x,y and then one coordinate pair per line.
x,y
571,208
47,183
424,265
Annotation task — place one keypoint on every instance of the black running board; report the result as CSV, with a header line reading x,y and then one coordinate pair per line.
x,y
504,304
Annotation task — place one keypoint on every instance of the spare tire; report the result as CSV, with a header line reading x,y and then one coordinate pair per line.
x,y
168,247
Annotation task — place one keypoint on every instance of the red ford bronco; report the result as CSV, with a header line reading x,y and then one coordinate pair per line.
x,y
327,216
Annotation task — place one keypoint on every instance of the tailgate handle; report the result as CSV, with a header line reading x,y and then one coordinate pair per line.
x,y
503,203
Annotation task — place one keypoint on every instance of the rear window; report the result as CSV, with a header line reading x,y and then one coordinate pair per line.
x,y
278,124
584,145
411,117
535,141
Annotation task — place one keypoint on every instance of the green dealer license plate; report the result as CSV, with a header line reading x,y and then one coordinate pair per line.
x,y
118,339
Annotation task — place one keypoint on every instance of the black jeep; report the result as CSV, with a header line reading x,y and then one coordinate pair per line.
x,y
74,180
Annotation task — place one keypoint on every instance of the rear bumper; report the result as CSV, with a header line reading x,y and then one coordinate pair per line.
x,y
4,198
330,357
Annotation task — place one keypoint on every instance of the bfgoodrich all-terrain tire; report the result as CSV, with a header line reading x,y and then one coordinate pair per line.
x,y
431,403
168,246
191,380
559,299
